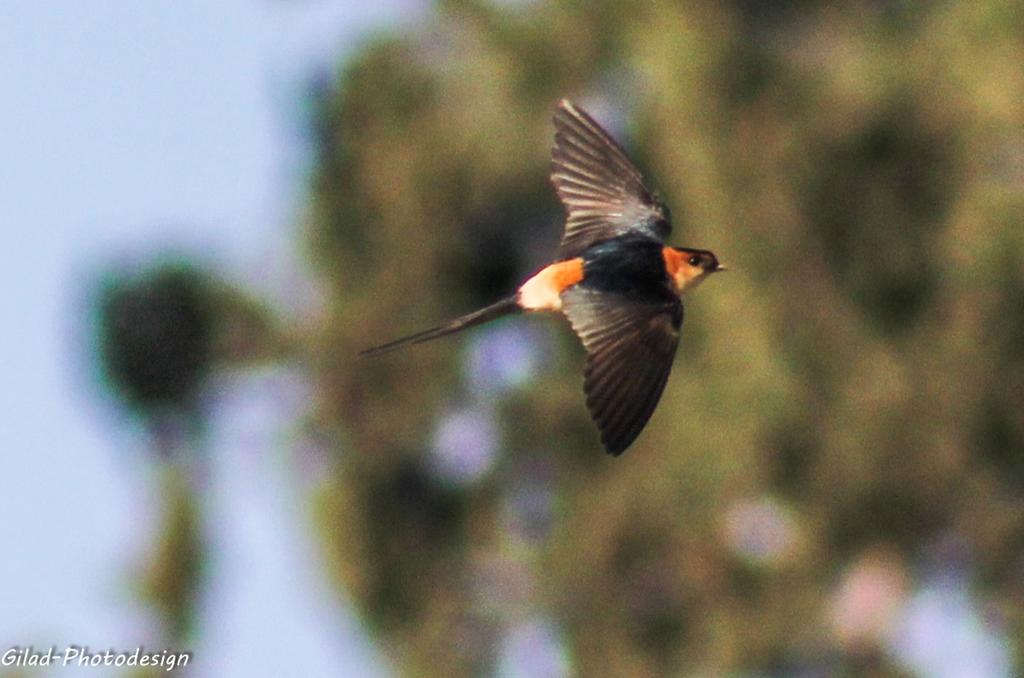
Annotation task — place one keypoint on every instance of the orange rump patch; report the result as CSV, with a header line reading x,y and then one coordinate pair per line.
x,y
543,292
565,274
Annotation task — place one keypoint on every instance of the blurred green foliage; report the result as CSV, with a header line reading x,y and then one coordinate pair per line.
x,y
156,338
173,580
860,170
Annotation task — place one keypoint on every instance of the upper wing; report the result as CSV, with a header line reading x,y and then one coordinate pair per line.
x,y
630,345
603,193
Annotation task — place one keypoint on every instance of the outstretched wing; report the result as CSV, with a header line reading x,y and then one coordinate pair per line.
x,y
630,345
603,193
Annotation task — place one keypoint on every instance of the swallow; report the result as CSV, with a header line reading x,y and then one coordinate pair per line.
x,y
614,278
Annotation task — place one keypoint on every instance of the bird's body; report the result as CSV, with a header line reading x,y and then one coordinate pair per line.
x,y
615,279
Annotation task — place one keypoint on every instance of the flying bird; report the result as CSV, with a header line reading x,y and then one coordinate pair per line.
x,y
614,278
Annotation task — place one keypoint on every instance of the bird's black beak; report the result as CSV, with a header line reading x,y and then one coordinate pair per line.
x,y
719,268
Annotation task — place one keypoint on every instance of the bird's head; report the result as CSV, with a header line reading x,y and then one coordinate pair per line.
x,y
691,267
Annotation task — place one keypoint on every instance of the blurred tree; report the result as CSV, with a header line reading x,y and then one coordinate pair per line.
x,y
156,346
161,335
854,368
855,382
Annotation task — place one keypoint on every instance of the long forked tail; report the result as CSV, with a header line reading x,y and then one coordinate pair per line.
x,y
492,312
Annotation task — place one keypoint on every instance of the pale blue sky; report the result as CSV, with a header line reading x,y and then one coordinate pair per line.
x,y
127,128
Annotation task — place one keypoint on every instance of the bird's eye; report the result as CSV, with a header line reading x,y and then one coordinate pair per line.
x,y
695,260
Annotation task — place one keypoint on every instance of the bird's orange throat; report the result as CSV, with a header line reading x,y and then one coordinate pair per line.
x,y
543,292
680,271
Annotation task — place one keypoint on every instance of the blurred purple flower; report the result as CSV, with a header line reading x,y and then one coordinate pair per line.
x,y
761,530
533,649
503,357
465,445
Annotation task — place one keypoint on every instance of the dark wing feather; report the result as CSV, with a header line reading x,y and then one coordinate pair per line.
x,y
603,193
630,345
